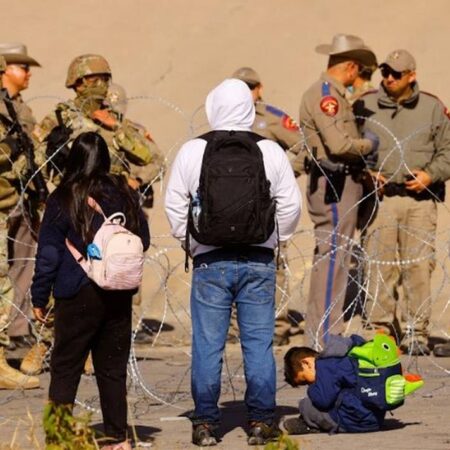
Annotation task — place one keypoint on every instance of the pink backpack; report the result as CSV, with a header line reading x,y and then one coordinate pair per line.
x,y
122,254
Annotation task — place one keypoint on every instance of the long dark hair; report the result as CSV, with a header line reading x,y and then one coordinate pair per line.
x,y
87,175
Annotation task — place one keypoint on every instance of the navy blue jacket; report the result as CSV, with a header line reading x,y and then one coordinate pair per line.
x,y
55,267
334,390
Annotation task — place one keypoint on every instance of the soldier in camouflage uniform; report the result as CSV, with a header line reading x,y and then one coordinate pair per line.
x,y
21,227
89,76
274,124
11,170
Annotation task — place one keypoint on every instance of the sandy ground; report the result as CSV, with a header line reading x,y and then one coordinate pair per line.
x,y
168,55
158,407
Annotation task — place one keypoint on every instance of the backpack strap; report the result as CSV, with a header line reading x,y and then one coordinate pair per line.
x,y
94,205
79,258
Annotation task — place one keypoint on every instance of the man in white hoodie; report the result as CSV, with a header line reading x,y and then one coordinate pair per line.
x,y
243,275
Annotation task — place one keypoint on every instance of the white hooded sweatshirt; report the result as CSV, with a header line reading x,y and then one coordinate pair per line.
x,y
230,107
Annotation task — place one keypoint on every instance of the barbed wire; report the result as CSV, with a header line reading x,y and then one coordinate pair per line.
x,y
168,305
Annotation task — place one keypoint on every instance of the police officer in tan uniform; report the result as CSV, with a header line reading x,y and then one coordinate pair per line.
x,y
22,229
274,124
412,167
335,162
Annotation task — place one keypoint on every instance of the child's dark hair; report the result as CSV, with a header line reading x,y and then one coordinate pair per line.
x,y
293,363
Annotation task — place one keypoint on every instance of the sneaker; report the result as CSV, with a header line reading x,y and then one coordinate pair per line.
x,y
260,433
297,425
415,348
203,435
442,350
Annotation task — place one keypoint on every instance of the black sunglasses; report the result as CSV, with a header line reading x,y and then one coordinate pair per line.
x,y
386,71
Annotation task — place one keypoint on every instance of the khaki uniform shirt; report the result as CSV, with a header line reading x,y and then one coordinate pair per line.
x,y
274,124
413,135
328,123
126,144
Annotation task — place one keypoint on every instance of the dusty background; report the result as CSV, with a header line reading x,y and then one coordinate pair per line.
x,y
168,55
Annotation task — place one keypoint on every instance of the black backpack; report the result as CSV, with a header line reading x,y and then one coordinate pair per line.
x,y
233,206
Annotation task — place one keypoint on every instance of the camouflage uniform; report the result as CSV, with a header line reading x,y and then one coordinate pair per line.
x,y
127,144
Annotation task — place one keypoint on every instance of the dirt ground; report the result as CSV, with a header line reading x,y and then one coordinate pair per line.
x,y
168,55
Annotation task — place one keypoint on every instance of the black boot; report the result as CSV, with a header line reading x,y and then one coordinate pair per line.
x,y
261,432
442,350
297,425
203,435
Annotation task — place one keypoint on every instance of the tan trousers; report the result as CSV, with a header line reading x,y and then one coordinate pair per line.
x,y
334,228
401,239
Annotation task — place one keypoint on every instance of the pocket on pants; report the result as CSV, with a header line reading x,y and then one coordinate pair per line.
x,y
261,283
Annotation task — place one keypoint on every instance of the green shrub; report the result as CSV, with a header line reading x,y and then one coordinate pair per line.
x,y
284,442
63,431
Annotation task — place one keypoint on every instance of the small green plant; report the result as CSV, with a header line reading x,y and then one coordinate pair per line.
x,y
64,431
284,442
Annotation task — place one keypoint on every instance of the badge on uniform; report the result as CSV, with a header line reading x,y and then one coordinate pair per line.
x,y
289,123
329,105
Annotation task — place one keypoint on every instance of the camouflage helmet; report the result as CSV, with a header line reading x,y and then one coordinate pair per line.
x,y
2,64
85,65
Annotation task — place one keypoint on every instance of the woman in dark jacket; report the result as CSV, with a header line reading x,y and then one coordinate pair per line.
x,y
87,318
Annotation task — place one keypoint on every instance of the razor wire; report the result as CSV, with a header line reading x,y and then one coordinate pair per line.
x,y
168,306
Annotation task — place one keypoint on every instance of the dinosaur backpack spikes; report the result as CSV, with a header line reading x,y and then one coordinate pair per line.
x,y
381,382
118,260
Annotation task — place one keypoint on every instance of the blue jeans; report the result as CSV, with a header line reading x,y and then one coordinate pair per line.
x,y
215,286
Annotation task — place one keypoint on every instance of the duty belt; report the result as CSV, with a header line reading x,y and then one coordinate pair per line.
x,y
435,191
335,174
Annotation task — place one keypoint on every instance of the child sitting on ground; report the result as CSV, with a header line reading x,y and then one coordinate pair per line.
x,y
351,384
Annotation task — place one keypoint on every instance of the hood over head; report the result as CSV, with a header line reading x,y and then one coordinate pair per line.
x,y
229,106
338,346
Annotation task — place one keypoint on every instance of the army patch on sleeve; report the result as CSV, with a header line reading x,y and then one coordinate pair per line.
x,y
289,123
329,105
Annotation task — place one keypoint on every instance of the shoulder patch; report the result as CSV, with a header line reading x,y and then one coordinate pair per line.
x,y
275,111
289,123
329,105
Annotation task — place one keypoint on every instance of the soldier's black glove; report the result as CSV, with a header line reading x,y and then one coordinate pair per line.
x,y
14,146
146,191
371,158
57,141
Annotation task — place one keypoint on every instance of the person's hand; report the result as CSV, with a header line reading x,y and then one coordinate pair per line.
x,y
40,314
133,183
374,139
105,118
420,181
